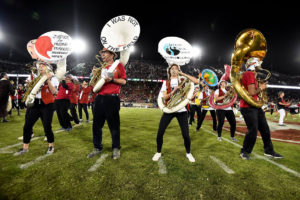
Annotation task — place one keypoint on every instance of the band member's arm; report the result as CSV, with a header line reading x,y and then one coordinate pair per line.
x,y
124,56
168,96
64,84
51,87
193,79
61,69
252,91
119,81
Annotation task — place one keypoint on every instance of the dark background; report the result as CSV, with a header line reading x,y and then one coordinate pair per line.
x,y
212,26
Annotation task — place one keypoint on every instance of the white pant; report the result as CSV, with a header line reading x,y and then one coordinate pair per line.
x,y
282,115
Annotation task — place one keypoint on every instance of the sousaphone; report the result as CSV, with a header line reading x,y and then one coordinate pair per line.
x,y
232,96
177,51
209,78
118,34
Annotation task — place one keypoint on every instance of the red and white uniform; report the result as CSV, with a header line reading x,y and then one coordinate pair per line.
x,y
84,95
247,79
65,93
112,88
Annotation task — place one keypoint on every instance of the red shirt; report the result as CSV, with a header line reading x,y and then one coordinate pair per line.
x,y
84,95
113,88
20,93
75,94
63,93
247,79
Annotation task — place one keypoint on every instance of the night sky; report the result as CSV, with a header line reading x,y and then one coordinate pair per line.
x,y
212,26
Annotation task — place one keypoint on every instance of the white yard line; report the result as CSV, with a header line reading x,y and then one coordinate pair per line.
x,y
98,163
222,165
162,169
4,149
38,159
261,157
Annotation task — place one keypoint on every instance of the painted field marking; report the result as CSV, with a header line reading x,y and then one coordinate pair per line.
x,y
281,140
222,165
162,169
38,159
4,149
261,157
98,163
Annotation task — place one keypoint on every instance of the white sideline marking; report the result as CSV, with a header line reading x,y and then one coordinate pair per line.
x,y
277,139
4,149
26,165
98,163
222,165
162,167
261,157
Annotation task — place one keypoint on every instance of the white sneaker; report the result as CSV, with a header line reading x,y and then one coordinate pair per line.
x,y
190,157
219,139
45,139
156,156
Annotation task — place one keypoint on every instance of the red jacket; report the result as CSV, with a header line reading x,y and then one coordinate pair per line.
x,y
75,94
65,93
84,95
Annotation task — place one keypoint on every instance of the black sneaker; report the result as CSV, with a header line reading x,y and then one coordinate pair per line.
x,y
94,153
245,156
50,150
273,155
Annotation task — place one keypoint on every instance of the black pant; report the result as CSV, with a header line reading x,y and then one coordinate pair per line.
x,y
74,113
221,114
255,120
272,110
106,108
194,108
39,110
203,114
84,106
182,118
62,106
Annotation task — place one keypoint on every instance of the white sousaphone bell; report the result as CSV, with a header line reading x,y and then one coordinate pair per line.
x,y
118,34
176,50
51,47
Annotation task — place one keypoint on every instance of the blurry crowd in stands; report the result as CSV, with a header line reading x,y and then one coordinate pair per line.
x,y
146,91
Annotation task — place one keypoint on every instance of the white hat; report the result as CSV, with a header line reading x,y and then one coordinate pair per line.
x,y
252,63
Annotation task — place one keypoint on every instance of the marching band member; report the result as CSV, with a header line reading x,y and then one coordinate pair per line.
x,y
42,108
204,97
194,107
281,104
170,87
107,103
74,100
84,100
6,89
220,94
62,102
255,117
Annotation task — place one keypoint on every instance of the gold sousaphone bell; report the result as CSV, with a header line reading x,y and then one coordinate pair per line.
x,y
249,43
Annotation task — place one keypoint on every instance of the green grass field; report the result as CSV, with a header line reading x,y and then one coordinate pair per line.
x,y
65,175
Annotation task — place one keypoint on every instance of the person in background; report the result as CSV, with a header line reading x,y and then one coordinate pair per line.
x,y
281,104
6,89
62,102
84,100
74,100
